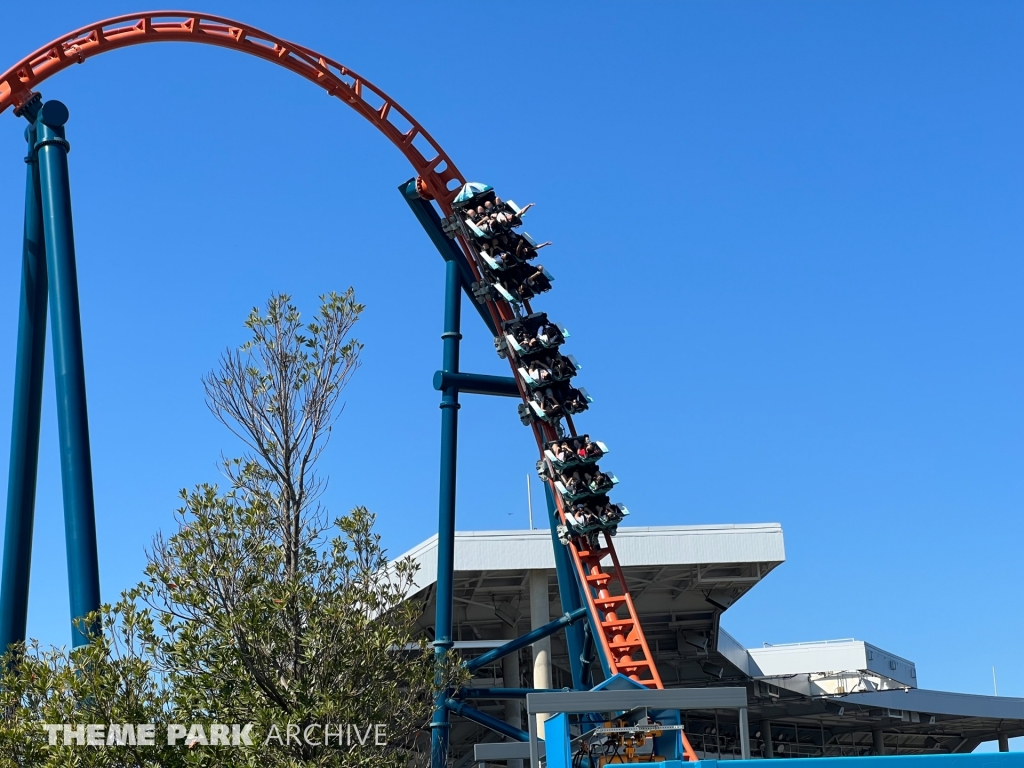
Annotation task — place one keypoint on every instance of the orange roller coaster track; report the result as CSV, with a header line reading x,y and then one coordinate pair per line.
x,y
617,630
437,171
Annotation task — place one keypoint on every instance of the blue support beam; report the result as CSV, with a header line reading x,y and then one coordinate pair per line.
x,y
669,744
571,595
474,714
477,383
28,399
450,382
524,640
558,742
69,367
439,725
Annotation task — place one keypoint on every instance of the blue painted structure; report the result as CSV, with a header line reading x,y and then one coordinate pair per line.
x,y
579,637
558,753
450,382
477,383
69,366
528,639
49,268
28,400
48,228
493,723
439,725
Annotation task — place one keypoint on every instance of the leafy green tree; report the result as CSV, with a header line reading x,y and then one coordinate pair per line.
x,y
259,608
111,681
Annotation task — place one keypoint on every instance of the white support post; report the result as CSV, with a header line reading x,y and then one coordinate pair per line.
x,y
744,735
539,616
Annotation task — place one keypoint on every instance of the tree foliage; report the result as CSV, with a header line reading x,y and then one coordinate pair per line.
x,y
112,680
258,608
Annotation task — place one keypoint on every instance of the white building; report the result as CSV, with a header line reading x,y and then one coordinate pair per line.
x,y
832,698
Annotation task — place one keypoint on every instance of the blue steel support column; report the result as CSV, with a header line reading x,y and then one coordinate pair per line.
x,y
28,398
528,639
474,714
439,725
572,599
571,593
69,366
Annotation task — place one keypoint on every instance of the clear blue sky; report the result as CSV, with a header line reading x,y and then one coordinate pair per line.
x,y
788,244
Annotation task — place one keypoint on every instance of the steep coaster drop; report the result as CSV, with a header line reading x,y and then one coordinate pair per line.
x,y
503,258
487,258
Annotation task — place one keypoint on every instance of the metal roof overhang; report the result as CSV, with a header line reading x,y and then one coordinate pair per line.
x,y
672,572
682,578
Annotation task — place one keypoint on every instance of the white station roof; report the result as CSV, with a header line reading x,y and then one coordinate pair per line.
x,y
682,578
669,545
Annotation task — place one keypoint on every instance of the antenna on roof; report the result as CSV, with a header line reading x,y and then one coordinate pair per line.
x,y
529,499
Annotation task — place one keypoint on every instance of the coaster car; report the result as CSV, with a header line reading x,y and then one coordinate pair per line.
x,y
543,369
576,400
498,259
547,355
546,405
509,251
553,402
572,451
472,193
521,282
484,214
492,221
592,537
510,273
601,514
574,485
586,518
533,333
563,367
520,245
